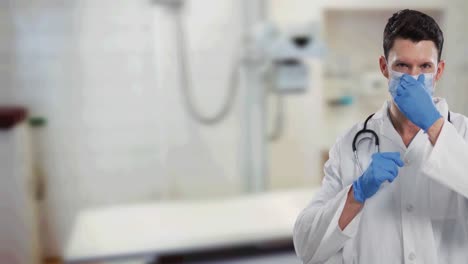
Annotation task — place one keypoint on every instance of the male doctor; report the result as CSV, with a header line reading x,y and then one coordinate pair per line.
x,y
409,203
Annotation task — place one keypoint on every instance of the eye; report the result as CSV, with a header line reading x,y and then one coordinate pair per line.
x,y
426,66
401,65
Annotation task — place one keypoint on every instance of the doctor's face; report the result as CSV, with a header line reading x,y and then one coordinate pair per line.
x,y
412,58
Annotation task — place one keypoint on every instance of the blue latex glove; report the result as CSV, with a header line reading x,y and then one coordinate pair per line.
x,y
383,167
415,102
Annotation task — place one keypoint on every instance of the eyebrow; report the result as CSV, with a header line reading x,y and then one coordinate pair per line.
x,y
403,62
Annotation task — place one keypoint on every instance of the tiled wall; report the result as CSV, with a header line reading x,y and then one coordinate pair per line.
x,y
104,75
6,56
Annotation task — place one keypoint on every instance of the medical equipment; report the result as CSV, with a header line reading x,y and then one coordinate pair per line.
x,y
277,64
281,54
285,53
383,168
281,57
364,130
415,102
270,62
374,135
395,78
185,75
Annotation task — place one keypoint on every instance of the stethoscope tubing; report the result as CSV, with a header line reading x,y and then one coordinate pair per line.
x,y
365,130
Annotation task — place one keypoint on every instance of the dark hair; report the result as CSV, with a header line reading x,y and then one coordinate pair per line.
x,y
413,25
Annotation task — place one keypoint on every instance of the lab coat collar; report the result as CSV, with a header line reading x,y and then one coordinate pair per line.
x,y
386,127
442,106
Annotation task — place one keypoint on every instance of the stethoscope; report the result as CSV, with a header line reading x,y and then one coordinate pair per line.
x,y
365,130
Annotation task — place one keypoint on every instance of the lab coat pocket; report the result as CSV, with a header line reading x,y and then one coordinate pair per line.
x,y
442,202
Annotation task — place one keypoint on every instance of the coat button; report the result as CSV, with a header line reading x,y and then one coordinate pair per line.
x,y
407,162
409,207
412,256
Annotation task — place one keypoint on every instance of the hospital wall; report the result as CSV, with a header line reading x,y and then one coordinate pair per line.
x,y
103,73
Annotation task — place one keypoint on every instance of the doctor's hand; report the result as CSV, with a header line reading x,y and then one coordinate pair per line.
x,y
383,167
415,102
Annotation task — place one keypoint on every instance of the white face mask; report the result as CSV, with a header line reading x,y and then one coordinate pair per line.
x,y
395,80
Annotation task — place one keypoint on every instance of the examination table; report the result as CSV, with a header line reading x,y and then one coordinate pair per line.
x,y
166,231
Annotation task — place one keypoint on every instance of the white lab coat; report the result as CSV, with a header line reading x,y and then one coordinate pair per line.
x,y
421,217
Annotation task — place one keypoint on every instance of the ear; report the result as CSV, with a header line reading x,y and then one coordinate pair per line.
x,y
383,66
440,70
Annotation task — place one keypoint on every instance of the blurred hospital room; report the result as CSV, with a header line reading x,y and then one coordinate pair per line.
x,y
184,131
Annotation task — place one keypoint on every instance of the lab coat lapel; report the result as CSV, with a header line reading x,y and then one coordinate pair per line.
x,y
417,146
388,131
442,106
386,128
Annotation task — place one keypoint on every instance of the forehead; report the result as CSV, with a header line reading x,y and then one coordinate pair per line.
x,y
409,51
